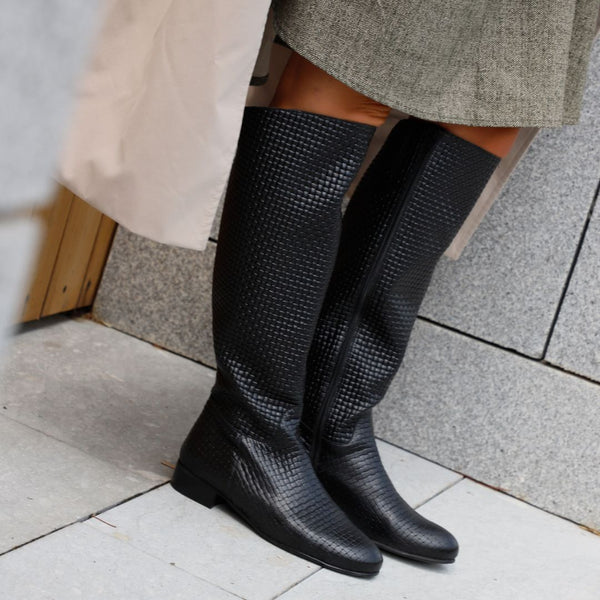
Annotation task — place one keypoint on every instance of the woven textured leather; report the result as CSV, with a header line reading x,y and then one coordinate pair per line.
x,y
277,245
407,208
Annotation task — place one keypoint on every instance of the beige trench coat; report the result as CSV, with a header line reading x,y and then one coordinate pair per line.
x,y
159,109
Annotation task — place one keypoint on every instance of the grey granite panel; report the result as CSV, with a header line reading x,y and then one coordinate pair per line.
x,y
575,342
159,293
46,484
507,284
509,421
108,394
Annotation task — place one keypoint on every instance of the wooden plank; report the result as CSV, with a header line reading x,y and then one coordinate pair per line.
x,y
54,217
97,261
73,258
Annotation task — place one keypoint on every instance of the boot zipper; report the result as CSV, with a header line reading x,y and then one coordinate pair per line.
x,y
330,394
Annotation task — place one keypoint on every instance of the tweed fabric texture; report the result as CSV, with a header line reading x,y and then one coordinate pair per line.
x,y
476,62
277,244
405,211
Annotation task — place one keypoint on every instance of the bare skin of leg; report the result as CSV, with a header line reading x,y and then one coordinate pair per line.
x,y
305,86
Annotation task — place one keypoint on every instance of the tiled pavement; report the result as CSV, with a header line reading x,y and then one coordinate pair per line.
x,y
89,419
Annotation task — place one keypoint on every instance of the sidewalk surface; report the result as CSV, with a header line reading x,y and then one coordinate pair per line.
x,y
91,420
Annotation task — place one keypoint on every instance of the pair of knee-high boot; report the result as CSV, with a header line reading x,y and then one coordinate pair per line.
x,y
311,318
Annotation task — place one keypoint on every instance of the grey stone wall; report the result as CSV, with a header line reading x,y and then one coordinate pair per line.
x,y
501,380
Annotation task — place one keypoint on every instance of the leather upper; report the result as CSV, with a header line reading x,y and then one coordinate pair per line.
x,y
407,208
277,243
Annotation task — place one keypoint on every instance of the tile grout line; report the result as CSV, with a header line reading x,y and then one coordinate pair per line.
x,y
395,445
538,361
477,338
571,271
86,453
440,492
153,556
82,519
93,318
297,583
147,553
425,458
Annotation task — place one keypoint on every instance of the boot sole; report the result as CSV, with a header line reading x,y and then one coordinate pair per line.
x,y
416,557
195,488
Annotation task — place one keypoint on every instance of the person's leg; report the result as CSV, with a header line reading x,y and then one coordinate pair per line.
x,y
497,140
278,239
305,86
405,211
407,208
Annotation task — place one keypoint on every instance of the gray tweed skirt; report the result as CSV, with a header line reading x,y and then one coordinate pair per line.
x,y
511,63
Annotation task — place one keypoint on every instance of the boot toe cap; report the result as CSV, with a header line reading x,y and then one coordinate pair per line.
x,y
348,551
427,543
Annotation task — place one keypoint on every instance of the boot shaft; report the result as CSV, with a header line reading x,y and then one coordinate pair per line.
x,y
406,210
278,237
275,253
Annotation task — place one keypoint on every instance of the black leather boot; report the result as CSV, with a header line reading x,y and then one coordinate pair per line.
x,y
277,244
406,210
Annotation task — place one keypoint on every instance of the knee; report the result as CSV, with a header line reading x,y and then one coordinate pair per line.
x,y
305,86
497,140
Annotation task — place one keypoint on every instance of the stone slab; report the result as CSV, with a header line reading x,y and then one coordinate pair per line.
x,y
416,479
46,484
511,422
159,293
109,394
210,544
575,341
507,284
508,550
79,562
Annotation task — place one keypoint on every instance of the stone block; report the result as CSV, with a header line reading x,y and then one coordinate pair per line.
x,y
159,293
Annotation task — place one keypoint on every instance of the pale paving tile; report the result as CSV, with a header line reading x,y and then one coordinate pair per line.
x,y
79,562
509,550
45,484
111,395
210,544
416,479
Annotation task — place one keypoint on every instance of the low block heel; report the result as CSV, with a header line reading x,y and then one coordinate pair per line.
x,y
188,484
